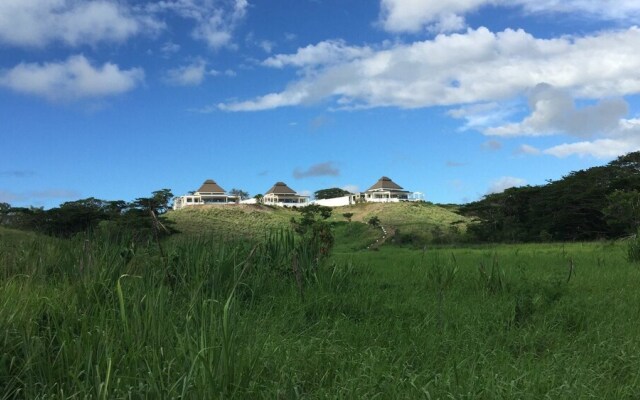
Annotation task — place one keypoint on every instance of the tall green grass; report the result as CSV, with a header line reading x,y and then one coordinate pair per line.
x,y
105,317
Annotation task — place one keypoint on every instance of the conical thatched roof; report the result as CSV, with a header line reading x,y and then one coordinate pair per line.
x,y
210,186
385,183
280,188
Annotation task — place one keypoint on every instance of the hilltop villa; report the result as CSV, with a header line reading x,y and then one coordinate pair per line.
x,y
383,191
282,195
209,193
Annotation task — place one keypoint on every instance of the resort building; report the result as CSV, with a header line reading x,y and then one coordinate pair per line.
x,y
282,195
209,193
385,191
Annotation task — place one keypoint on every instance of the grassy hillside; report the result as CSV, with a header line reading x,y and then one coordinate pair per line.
x,y
414,222
231,220
410,222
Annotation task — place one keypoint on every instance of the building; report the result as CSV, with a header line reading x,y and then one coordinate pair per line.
x,y
282,195
209,193
385,191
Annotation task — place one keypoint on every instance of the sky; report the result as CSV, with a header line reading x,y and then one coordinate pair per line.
x,y
456,99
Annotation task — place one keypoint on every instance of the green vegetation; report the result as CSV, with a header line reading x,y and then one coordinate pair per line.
x,y
600,202
330,193
260,302
237,221
100,317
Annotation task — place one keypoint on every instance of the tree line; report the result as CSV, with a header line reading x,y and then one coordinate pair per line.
x,y
142,217
597,203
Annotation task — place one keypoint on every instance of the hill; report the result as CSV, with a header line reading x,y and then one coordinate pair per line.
x,y
410,222
242,220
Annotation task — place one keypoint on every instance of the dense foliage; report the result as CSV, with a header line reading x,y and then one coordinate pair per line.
x,y
142,217
599,202
330,193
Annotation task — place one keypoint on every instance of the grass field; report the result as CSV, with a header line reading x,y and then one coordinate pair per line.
x,y
98,318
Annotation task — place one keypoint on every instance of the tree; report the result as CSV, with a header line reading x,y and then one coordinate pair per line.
x,y
5,208
348,216
158,202
259,197
374,221
241,194
581,206
623,211
330,193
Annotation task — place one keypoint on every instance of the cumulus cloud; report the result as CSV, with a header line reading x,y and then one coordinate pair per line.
x,y
169,48
477,66
72,79
526,149
444,16
215,20
323,53
501,184
483,115
624,139
189,75
322,169
415,15
40,22
554,111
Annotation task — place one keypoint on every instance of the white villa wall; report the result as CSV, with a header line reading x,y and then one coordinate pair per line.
x,y
335,202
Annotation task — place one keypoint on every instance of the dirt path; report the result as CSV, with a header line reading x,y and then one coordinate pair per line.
x,y
387,232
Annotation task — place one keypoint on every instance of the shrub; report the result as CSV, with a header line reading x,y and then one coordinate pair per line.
x,y
633,250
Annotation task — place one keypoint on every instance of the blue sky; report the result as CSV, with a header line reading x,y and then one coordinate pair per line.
x,y
455,99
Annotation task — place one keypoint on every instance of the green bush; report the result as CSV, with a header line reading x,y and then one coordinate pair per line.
x,y
633,250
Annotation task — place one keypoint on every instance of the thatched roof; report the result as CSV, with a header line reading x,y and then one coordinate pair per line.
x,y
210,186
280,188
385,183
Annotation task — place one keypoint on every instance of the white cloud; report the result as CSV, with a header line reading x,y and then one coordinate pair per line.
x,y
444,16
624,139
323,53
554,111
603,148
40,22
267,45
189,75
415,15
169,48
72,79
528,150
501,184
483,115
351,188
474,67
215,20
